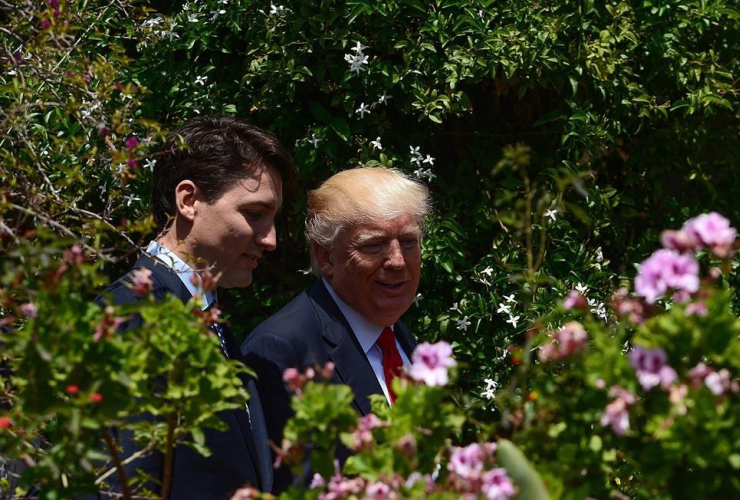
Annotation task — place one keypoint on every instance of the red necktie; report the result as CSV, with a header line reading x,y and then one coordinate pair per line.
x,y
392,361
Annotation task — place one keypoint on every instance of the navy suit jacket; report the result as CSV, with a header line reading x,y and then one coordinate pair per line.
x,y
310,331
240,455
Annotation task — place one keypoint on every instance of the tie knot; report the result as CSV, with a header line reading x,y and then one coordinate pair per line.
x,y
387,339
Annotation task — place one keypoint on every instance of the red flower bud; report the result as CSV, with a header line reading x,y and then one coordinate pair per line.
x,y
5,423
96,397
72,389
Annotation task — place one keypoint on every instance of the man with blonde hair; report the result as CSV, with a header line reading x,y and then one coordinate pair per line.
x,y
364,227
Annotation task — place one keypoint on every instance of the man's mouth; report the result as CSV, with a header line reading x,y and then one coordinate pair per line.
x,y
391,285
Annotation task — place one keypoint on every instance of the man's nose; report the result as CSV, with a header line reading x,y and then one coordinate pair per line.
x,y
267,237
394,258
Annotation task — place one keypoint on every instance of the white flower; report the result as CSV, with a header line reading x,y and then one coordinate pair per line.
x,y
276,10
201,80
417,299
414,151
359,48
490,392
581,288
513,320
216,13
552,214
383,99
510,298
150,23
487,271
503,308
130,198
376,144
421,173
463,324
150,164
358,60
429,159
363,110
599,255
454,307
314,140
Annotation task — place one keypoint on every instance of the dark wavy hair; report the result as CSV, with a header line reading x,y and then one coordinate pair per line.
x,y
214,152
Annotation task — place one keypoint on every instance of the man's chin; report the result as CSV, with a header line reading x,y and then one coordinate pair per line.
x,y
236,280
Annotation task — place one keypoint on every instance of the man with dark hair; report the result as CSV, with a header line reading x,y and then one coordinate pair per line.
x,y
217,188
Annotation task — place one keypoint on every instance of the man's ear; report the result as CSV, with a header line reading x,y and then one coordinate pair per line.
x,y
324,260
186,194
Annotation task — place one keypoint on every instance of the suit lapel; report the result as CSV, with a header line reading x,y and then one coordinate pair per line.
x,y
404,337
351,364
245,426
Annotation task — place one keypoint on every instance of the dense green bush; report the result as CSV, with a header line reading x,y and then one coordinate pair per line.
x,y
557,137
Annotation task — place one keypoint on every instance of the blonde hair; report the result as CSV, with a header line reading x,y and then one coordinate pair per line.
x,y
360,196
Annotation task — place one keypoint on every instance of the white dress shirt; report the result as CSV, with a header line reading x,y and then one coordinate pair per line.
x,y
183,271
367,334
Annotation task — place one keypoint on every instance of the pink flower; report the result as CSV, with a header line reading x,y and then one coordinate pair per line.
x,y
340,487
141,283
633,309
107,325
29,310
430,363
697,308
132,163
575,300
711,231
616,413
131,143
45,24
467,463
54,4
565,342
720,382
651,368
74,255
246,494
666,270
317,481
497,485
377,491
363,435
677,240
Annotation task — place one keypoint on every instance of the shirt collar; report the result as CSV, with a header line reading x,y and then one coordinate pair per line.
x,y
366,331
183,271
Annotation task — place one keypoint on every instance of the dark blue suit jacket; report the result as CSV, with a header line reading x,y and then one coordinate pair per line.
x,y
240,455
310,331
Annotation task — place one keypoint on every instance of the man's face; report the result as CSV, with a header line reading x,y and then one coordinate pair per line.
x,y
231,233
375,267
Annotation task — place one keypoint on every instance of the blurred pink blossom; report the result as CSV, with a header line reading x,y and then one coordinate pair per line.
x,y
616,413
711,231
497,485
29,310
575,300
651,368
141,283
565,342
131,142
430,363
625,306
666,270
377,491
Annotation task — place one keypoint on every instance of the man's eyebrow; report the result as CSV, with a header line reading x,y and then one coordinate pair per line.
x,y
268,205
368,235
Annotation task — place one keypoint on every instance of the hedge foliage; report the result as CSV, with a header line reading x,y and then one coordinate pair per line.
x,y
558,137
